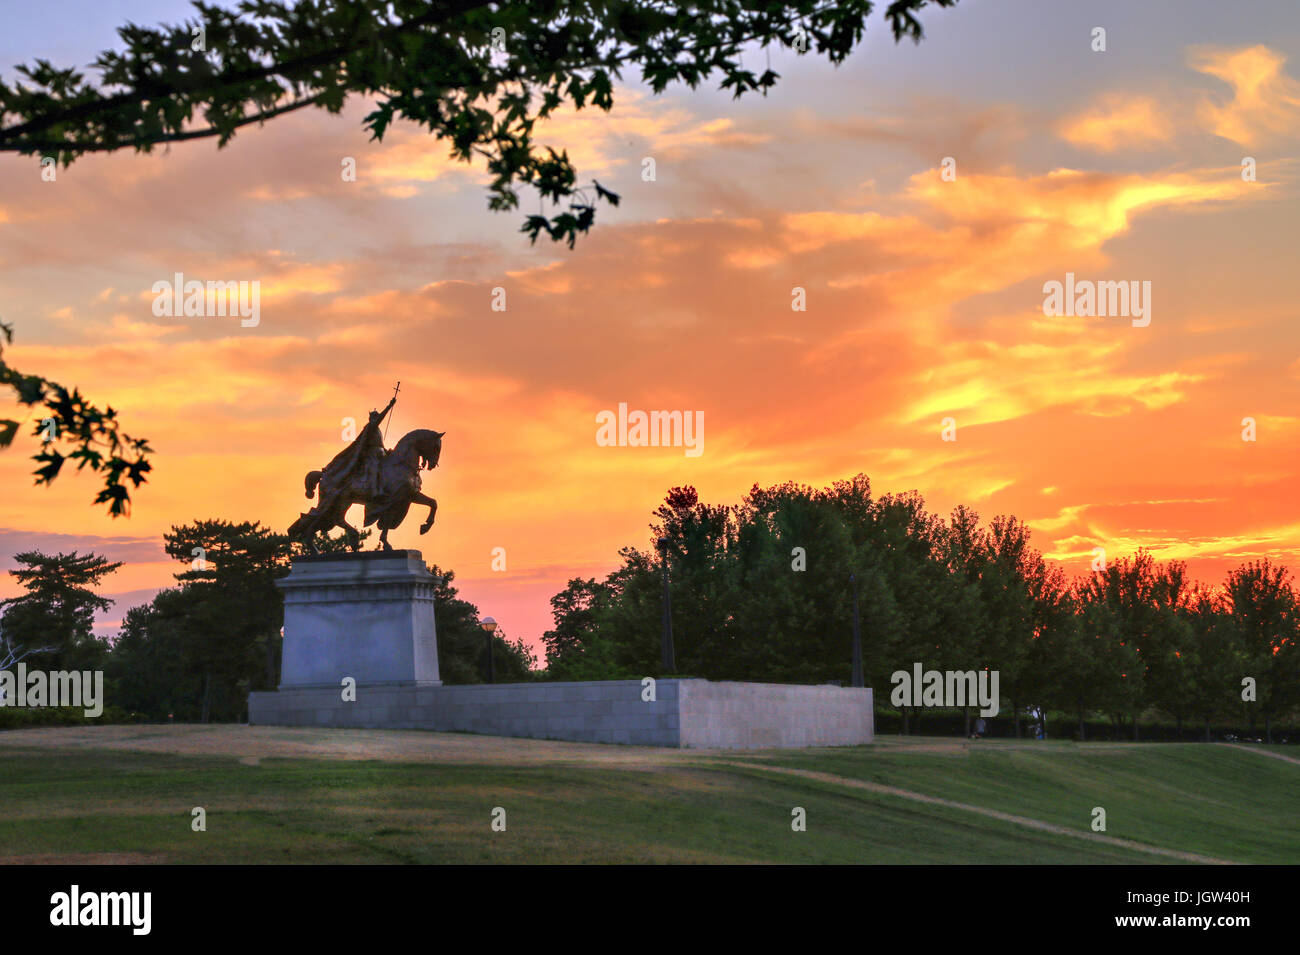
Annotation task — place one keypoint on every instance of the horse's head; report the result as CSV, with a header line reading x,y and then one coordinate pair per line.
x,y
426,445
431,451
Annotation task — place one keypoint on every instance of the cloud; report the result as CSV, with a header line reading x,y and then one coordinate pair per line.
x,y
924,301
1265,100
1119,121
595,141
124,548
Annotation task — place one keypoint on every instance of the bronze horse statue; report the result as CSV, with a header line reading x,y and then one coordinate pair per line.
x,y
386,482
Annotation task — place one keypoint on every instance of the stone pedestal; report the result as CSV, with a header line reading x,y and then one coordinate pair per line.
x,y
370,617
367,615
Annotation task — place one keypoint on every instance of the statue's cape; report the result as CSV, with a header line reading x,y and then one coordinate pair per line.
x,y
345,463
338,474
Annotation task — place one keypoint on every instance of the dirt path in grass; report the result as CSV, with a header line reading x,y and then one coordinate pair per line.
x,y
956,746
87,858
1265,752
980,810
251,744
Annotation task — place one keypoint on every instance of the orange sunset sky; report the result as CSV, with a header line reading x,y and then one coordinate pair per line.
x,y
924,300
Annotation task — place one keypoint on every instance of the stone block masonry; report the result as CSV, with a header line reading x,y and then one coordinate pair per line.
x,y
685,713
368,616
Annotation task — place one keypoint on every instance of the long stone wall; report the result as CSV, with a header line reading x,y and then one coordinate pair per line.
x,y
761,715
685,713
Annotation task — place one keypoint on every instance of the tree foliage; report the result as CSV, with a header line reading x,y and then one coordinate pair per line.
x,y
68,419
478,74
54,618
763,591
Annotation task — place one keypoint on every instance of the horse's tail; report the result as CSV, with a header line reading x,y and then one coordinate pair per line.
x,y
313,479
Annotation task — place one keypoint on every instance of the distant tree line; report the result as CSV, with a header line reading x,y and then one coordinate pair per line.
x,y
761,591
195,651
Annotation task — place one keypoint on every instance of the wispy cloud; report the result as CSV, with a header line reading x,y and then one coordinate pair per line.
x,y
1265,100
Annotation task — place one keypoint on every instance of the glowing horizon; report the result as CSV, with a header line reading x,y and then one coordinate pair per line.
x,y
924,302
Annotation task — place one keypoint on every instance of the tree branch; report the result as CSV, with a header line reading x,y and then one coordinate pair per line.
x,y
144,90
53,146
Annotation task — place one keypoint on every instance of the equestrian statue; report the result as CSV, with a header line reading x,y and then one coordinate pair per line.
x,y
386,482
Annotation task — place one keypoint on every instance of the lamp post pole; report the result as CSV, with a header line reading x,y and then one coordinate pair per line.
x,y
668,661
489,626
857,636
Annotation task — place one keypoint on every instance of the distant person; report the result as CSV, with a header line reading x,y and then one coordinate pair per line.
x,y
981,727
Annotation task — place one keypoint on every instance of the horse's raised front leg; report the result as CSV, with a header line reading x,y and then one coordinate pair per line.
x,y
418,498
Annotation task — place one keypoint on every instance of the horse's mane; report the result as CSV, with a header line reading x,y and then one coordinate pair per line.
x,y
416,435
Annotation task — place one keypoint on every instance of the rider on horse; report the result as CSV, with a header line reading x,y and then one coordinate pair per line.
x,y
386,482
367,450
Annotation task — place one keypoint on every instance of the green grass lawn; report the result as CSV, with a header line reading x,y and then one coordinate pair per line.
x,y
57,802
1208,799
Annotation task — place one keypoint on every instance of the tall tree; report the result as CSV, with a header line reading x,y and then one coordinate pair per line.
x,y
790,602
1265,621
1056,640
232,568
970,639
58,608
1170,640
1015,578
574,609
699,538
1119,614
1213,663
906,540
162,661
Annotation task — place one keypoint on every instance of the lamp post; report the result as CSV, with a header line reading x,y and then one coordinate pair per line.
x,y
857,635
669,664
489,625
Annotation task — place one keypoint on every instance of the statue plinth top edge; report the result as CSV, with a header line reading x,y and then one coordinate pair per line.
x,y
359,555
